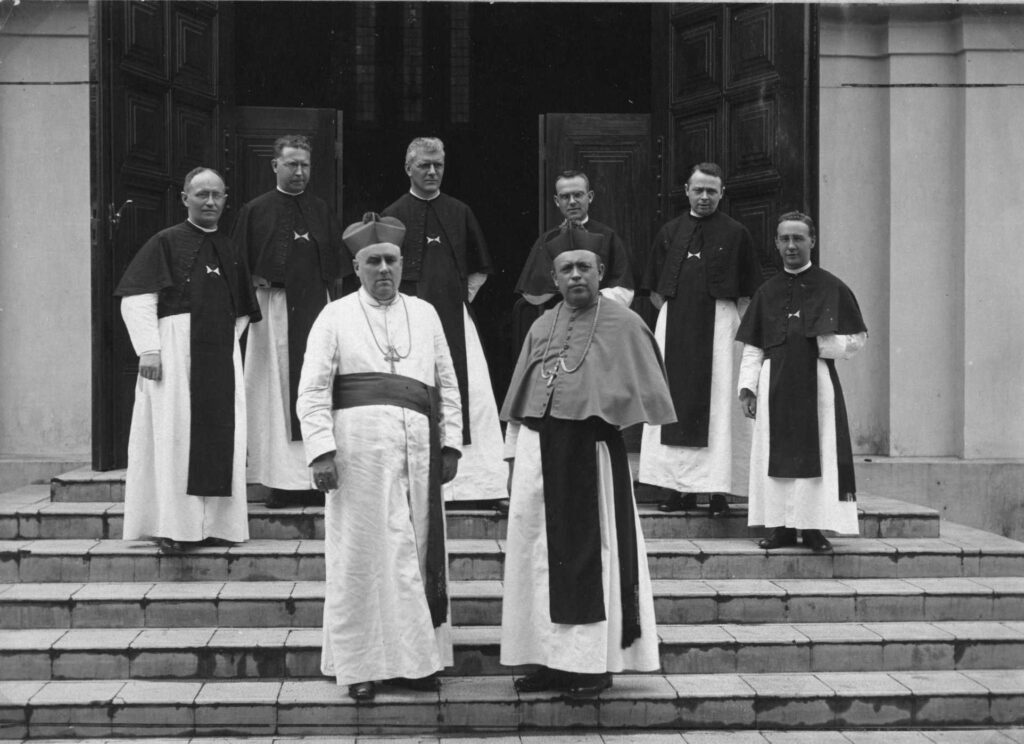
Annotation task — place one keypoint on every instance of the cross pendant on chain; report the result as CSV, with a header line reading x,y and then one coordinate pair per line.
x,y
391,355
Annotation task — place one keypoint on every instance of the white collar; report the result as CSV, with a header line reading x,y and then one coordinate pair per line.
x,y
801,270
289,193
425,198
200,227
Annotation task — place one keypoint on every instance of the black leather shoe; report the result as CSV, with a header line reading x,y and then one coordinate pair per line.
x,y
679,502
588,685
362,692
430,683
542,679
718,506
816,541
167,546
780,537
312,497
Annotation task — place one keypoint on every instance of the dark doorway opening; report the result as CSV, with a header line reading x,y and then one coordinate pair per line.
x,y
477,75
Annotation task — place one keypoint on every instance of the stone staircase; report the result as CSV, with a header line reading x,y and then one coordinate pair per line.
x,y
904,628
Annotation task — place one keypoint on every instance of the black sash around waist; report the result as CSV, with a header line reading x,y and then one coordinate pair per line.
x,y
382,389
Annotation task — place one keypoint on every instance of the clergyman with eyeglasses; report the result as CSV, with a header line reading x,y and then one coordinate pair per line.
x,y
186,299
573,197
801,463
293,245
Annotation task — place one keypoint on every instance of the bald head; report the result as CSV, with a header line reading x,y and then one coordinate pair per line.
x,y
204,197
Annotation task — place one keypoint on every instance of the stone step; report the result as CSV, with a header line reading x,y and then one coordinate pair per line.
x,y
278,604
30,513
253,653
81,560
959,735
826,700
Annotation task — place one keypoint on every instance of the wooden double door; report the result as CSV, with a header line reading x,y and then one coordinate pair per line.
x,y
730,84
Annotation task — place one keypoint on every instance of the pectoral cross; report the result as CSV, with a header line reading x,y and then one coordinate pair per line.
x,y
391,355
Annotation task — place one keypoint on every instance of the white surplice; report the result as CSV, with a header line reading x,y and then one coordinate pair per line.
x,y
377,623
528,636
801,503
274,459
156,502
482,472
722,466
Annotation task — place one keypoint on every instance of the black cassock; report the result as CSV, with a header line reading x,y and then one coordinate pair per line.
x,y
443,245
200,273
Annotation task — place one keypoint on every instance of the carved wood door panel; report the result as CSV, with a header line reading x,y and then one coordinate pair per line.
x,y
735,85
253,131
158,85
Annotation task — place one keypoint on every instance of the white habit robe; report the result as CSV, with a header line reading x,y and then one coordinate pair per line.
x,y
274,459
376,620
722,466
156,503
528,636
801,503
483,474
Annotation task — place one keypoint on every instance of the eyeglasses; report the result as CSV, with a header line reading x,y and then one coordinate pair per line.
x,y
215,195
292,164
567,197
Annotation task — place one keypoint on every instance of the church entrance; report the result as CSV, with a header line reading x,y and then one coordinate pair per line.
x,y
171,75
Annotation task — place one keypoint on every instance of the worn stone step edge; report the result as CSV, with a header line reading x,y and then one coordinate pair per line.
x,y
959,735
827,700
147,653
474,603
117,560
30,513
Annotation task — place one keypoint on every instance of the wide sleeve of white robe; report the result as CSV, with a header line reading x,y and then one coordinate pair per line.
x,y
140,318
750,368
316,388
838,346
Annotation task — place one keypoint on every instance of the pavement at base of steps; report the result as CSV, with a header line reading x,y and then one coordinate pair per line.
x,y
853,736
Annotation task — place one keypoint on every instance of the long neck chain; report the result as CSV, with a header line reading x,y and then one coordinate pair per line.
x,y
560,365
390,353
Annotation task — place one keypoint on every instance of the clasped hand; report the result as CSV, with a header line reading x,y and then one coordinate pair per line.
x,y
325,472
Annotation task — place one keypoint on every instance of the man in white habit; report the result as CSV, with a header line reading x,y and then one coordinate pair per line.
x,y
701,273
446,262
292,243
382,425
801,462
187,298
578,599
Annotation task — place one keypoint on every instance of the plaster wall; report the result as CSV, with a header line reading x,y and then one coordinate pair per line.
x,y
921,213
853,224
45,327
993,236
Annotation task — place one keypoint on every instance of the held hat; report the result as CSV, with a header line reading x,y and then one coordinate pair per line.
x,y
373,230
574,237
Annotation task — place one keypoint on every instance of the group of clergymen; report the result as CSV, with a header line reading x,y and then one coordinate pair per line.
x,y
381,399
